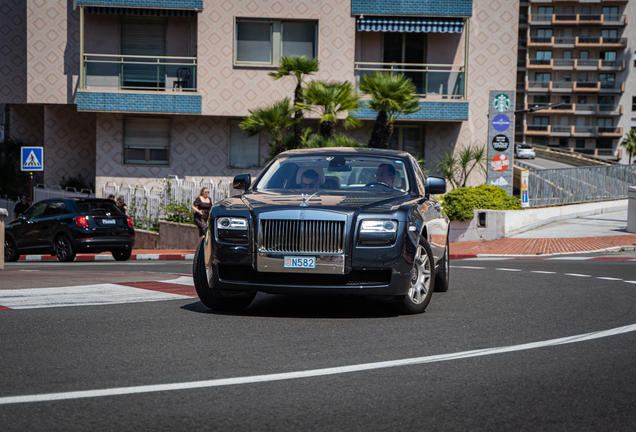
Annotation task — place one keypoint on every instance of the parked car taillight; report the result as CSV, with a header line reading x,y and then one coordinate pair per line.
x,y
81,221
130,222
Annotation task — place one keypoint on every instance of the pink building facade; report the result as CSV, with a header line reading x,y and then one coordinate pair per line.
x,y
133,91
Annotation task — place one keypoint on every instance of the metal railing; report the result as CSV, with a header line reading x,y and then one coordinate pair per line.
x,y
579,185
443,80
146,205
138,72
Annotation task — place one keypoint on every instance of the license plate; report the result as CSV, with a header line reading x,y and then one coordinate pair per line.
x,y
109,221
300,262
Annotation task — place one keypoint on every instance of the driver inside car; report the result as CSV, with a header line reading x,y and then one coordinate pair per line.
x,y
385,174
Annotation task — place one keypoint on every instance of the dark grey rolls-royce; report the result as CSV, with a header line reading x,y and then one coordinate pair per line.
x,y
345,221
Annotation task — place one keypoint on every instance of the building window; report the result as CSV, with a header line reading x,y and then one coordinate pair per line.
x,y
244,151
604,144
409,139
146,141
633,103
541,121
605,122
584,55
567,55
262,42
580,143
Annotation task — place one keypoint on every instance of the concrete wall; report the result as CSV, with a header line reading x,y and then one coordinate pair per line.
x,y
506,223
631,210
178,236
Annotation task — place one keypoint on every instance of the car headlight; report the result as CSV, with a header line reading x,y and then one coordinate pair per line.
x,y
232,229
376,232
231,223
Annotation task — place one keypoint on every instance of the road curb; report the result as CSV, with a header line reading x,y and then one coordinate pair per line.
x,y
138,257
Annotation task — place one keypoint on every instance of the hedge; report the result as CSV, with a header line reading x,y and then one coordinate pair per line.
x,y
460,203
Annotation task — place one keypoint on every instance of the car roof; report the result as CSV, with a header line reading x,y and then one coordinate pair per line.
x,y
349,150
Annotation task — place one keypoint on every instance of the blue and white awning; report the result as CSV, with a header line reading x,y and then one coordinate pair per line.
x,y
410,25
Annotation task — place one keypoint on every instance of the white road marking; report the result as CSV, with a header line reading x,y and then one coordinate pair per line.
x,y
609,278
569,258
505,269
631,282
577,275
87,295
117,391
181,280
542,272
467,267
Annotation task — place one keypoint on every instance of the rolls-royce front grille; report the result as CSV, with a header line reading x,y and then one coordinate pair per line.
x,y
292,236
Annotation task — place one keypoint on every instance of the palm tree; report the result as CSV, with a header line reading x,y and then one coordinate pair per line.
x,y
391,95
274,119
629,142
457,167
298,68
330,99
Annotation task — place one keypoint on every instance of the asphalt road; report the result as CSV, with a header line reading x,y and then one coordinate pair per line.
x,y
482,357
540,163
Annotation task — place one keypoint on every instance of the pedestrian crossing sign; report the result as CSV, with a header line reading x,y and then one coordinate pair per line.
x,y
32,159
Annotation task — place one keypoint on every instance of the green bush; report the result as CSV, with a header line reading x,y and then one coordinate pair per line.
x,y
460,203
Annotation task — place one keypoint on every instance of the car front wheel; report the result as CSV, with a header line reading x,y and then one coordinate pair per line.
x,y
121,255
422,282
64,249
214,300
10,252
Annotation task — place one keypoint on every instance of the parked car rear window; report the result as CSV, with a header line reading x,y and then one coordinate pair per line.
x,y
96,207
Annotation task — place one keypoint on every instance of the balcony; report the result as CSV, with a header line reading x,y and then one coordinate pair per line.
x,y
432,81
577,19
585,109
613,65
609,110
562,131
534,41
609,132
564,42
539,86
612,87
535,130
562,109
539,64
584,131
587,87
562,86
564,64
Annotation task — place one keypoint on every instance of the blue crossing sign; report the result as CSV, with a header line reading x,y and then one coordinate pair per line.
x,y
32,159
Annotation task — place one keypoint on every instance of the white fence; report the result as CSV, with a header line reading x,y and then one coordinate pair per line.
x,y
145,205
41,192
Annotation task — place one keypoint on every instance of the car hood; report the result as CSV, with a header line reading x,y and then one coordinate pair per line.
x,y
260,202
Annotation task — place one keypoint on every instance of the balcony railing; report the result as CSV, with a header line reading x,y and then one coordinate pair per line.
x,y
136,72
431,80
609,132
564,63
564,40
585,109
562,85
585,130
578,19
604,109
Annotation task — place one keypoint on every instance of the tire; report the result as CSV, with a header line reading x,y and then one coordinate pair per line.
x,y
422,281
121,255
10,252
214,300
441,278
64,249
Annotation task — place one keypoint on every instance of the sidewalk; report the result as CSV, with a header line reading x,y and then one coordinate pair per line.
x,y
137,254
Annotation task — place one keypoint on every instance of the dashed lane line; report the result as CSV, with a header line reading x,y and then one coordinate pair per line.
x,y
468,267
312,373
510,270
542,272
576,275
609,278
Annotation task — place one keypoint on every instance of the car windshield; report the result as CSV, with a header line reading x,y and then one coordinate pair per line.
x,y
96,207
335,172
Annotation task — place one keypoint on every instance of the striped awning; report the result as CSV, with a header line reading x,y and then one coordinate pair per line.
x,y
410,25
142,11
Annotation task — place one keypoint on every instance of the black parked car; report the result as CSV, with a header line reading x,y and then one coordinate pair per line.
x,y
328,221
65,227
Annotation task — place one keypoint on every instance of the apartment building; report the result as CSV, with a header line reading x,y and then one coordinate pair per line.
x,y
576,55
131,91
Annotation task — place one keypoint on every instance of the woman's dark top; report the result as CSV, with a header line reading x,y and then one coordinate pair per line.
x,y
202,220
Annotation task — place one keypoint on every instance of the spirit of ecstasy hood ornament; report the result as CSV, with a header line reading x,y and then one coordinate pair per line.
x,y
306,198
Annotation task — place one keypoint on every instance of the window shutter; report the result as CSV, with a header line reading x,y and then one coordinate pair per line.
x,y
144,36
146,133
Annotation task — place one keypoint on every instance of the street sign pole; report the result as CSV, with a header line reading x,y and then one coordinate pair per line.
x,y
501,138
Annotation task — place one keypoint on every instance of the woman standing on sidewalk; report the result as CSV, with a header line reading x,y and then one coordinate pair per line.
x,y
201,207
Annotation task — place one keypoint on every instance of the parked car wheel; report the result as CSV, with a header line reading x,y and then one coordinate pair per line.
x,y
212,300
441,278
422,281
64,249
121,255
10,252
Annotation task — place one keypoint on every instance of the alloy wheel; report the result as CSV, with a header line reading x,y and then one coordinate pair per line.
x,y
420,276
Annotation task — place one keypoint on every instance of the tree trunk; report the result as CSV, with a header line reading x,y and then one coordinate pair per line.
x,y
328,129
298,115
386,135
378,127
280,147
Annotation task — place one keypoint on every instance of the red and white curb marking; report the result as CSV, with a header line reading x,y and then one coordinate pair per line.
x,y
110,257
99,294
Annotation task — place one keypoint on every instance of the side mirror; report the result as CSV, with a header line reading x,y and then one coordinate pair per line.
x,y
435,185
242,182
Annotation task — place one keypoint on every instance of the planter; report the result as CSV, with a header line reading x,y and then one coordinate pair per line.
x,y
174,235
